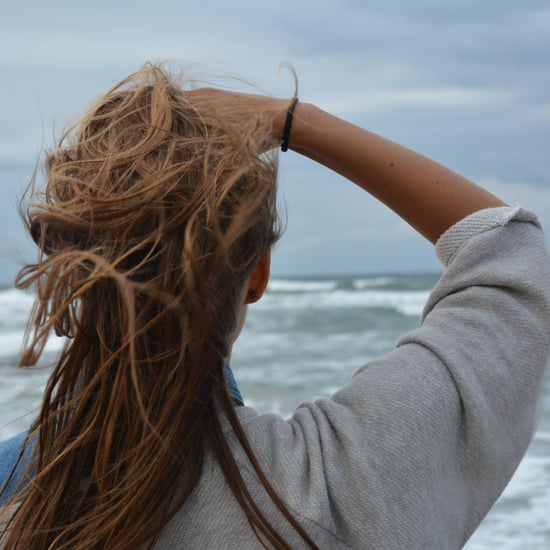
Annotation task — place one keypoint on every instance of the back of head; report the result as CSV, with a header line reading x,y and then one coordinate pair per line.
x,y
154,212
156,196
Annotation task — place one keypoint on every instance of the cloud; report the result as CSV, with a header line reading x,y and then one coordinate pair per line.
x,y
428,98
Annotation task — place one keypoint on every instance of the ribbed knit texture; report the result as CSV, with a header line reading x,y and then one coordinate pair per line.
x,y
481,221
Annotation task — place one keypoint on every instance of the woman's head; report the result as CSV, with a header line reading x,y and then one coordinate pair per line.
x,y
170,199
159,204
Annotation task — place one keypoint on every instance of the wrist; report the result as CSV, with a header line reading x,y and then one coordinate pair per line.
x,y
304,125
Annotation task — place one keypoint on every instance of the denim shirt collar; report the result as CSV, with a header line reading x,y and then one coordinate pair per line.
x,y
233,388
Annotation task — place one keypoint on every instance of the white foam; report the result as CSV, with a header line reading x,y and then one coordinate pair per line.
x,y
372,282
295,285
15,306
11,343
409,303
543,436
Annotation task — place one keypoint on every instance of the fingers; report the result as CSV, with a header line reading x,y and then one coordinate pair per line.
x,y
236,105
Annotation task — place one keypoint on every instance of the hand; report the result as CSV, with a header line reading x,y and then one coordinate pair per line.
x,y
242,105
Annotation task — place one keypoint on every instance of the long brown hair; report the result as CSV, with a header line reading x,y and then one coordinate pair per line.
x,y
153,215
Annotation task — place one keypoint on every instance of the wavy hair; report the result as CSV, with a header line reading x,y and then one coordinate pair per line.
x,y
153,215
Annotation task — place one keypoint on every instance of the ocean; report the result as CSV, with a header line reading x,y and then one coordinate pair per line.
x,y
302,341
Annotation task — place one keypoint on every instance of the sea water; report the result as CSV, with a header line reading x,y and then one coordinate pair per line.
x,y
302,341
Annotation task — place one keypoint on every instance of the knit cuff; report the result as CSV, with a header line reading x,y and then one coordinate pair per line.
x,y
450,242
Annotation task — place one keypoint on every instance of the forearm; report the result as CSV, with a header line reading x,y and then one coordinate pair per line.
x,y
427,195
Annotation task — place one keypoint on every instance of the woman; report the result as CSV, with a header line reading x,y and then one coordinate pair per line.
x,y
154,232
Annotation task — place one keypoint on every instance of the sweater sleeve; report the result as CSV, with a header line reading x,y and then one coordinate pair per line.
x,y
446,417
416,448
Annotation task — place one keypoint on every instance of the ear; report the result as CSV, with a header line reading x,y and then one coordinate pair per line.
x,y
257,282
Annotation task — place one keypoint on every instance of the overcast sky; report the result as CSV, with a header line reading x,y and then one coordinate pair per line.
x,y
465,82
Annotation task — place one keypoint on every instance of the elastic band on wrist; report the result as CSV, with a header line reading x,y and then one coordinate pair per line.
x,y
288,125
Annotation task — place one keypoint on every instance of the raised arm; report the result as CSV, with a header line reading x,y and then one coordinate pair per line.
x,y
430,197
427,195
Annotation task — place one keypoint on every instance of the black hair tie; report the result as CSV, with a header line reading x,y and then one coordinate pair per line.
x,y
288,125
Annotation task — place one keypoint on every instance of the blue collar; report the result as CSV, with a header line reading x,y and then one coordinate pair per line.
x,y
233,388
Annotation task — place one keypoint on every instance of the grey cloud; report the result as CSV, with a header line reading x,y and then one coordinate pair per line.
x,y
455,41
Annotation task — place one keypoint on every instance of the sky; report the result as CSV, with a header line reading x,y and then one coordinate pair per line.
x,y
464,82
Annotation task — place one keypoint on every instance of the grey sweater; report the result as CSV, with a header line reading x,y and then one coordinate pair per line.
x,y
413,451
